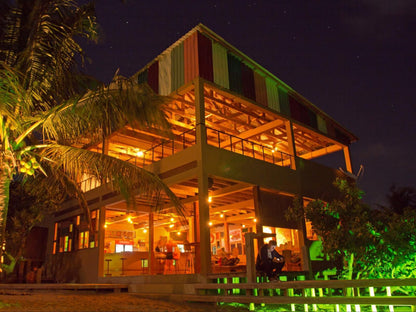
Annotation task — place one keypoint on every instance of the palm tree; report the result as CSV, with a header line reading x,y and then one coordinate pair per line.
x,y
47,106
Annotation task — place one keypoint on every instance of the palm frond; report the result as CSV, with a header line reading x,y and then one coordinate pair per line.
x,y
124,177
39,39
106,110
15,102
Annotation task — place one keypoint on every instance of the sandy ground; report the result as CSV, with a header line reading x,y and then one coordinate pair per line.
x,y
90,301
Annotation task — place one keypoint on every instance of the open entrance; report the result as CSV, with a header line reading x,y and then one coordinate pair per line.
x,y
141,243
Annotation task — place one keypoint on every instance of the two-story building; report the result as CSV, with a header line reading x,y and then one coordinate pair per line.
x,y
244,145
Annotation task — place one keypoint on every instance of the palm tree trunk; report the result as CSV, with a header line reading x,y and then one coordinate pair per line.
x,y
4,205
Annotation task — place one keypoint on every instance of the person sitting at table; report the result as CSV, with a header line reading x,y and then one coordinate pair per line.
x,y
160,249
225,258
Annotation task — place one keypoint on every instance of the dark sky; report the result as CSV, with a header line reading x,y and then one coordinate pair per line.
x,y
353,59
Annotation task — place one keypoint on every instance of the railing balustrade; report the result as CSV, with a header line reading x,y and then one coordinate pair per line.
x,y
374,295
248,148
215,138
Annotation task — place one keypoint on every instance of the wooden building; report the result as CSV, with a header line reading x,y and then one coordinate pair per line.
x,y
244,144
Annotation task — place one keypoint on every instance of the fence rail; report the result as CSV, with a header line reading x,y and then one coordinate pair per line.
x,y
247,147
356,293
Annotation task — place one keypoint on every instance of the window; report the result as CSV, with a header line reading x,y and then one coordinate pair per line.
x,y
83,240
75,234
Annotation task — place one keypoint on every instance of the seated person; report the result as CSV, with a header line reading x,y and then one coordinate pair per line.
x,y
160,250
270,261
225,258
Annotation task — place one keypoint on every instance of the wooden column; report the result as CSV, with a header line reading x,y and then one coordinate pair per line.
x,y
257,210
304,249
101,241
203,206
250,261
152,259
227,237
347,156
291,143
197,262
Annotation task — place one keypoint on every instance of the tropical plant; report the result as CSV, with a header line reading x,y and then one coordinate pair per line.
x,y
374,243
26,209
400,198
343,224
50,113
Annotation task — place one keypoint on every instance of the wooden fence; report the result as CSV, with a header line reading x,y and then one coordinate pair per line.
x,y
311,295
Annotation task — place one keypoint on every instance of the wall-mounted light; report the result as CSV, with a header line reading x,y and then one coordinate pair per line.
x,y
209,199
210,223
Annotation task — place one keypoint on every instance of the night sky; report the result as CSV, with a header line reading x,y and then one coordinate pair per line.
x,y
353,59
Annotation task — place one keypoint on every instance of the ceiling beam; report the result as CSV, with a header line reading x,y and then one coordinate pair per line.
x,y
247,204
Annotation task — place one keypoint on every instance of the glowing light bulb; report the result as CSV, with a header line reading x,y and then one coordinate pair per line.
x,y
209,199
210,223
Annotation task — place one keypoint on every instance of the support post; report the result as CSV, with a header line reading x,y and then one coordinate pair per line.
x,y
101,240
347,156
204,250
291,143
227,237
251,262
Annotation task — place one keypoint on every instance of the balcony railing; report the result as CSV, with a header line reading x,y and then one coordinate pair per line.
x,y
248,148
215,138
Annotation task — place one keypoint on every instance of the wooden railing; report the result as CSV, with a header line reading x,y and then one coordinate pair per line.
x,y
332,293
247,147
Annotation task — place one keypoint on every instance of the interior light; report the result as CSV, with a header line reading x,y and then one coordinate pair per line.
x,y
209,199
139,154
254,220
171,226
210,223
179,233
129,220
105,225
172,219
244,225
222,215
144,230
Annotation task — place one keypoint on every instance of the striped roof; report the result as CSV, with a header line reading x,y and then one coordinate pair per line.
x,y
202,53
